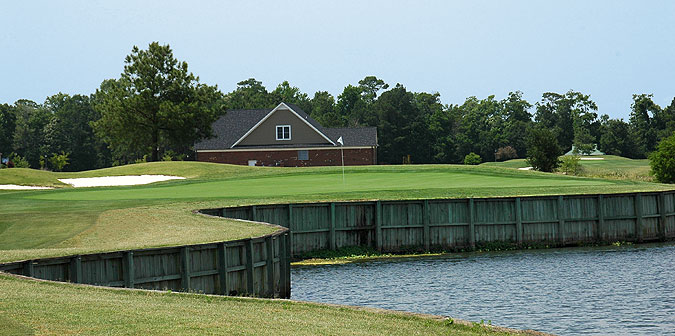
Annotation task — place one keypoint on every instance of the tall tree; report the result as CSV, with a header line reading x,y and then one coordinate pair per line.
x,y
290,94
615,138
571,116
665,121
70,132
7,125
249,94
158,103
518,120
400,124
643,110
29,133
323,109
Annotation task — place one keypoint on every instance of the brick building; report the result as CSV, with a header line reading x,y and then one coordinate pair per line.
x,y
285,136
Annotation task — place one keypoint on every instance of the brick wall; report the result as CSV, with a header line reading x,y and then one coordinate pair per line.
x,y
289,158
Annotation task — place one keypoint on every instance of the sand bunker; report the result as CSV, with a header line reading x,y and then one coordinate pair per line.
x,y
109,181
589,159
20,187
526,168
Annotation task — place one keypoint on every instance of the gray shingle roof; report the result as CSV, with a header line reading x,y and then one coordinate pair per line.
x,y
230,127
235,123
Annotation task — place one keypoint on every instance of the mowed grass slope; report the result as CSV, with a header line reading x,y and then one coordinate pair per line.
x,y
70,221
610,167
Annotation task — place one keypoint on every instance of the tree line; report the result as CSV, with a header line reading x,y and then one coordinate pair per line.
x,y
157,109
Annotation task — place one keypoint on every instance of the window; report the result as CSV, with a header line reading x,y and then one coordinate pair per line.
x,y
283,132
303,155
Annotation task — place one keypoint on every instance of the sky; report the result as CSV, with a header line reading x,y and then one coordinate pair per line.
x,y
607,49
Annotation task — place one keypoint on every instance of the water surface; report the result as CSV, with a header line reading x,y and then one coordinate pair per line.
x,y
626,290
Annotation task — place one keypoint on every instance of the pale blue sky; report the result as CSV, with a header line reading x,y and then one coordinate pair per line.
x,y
608,49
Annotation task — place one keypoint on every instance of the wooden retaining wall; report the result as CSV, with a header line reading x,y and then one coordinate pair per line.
x,y
463,223
252,267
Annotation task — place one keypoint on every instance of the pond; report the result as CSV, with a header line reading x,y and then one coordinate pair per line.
x,y
625,290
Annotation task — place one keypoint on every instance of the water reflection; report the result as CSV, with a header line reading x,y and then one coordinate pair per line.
x,y
625,290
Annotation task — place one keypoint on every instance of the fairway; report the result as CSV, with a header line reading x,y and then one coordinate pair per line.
x,y
328,183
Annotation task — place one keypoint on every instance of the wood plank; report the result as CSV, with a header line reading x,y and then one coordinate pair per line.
x,y
269,259
639,221
425,221
76,269
519,222
378,225
599,236
662,216
249,267
561,220
472,229
222,269
28,268
128,269
185,268
331,235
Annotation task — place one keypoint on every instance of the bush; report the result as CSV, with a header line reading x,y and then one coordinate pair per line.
x,y
543,150
59,161
570,165
19,161
662,160
472,159
506,153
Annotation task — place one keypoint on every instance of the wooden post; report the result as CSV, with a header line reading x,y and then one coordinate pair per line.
x,y
425,219
290,225
601,219
519,222
561,220
283,265
472,230
128,269
378,225
662,219
638,219
249,267
222,269
254,213
28,269
76,269
185,268
331,233
288,266
270,266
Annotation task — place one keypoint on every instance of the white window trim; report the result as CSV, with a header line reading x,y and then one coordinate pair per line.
x,y
282,132
282,105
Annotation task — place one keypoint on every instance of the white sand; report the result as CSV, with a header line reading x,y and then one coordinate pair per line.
x,y
108,181
20,187
526,168
592,158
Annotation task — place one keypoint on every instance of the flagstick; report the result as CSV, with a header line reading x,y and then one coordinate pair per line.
x,y
342,154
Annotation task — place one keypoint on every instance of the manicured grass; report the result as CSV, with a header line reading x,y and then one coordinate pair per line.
x,y
73,221
70,221
610,167
62,309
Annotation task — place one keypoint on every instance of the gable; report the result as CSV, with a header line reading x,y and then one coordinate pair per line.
x,y
265,133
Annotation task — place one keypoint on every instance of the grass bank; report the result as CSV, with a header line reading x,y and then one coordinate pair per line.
x,y
68,221
609,167
47,308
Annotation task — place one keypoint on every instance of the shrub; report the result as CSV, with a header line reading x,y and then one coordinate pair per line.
x,y
569,164
19,161
662,160
472,159
58,161
543,150
506,153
